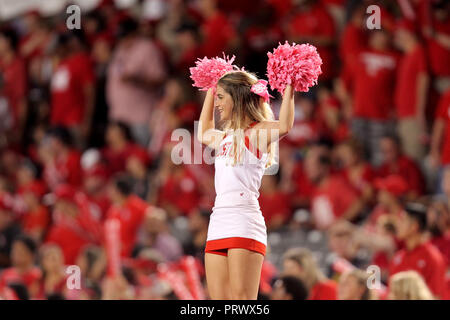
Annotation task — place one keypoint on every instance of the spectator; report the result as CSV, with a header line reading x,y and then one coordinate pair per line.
x,y
355,170
373,95
133,81
216,30
438,222
408,285
333,198
440,140
54,277
72,86
156,235
299,262
289,288
353,285
412,78
418,253
13,82
73,226
274,203
129,209
60,159
312,23
23,270
120,146
394,162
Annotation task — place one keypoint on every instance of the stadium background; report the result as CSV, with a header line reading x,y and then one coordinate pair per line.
x,y
85,136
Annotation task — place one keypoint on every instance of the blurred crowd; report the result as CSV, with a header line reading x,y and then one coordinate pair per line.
x,y
86,122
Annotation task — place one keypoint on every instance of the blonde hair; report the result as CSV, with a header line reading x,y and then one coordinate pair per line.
x,y
307,262
361,278
245,103
409,285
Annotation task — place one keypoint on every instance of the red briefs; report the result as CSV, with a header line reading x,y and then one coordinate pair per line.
x,y
221,246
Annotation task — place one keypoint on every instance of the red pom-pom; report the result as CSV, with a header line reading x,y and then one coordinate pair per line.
x,y
297,65
207,72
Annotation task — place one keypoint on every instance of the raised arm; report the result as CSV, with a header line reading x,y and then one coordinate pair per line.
x,y
265,129
207,134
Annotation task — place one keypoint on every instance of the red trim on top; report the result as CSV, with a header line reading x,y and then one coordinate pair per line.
x,y
249,146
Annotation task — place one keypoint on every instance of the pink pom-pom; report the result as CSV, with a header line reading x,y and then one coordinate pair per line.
x,y
297,65
207,72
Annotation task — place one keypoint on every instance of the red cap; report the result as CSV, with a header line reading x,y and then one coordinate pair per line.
x,y
394,184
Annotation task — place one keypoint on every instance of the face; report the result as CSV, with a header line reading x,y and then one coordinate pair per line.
x,y
3,44
113,135
349,288
279,293
20,255
346,155
379,39
340,242
389,150
385,198
52,259
405,226
292,268
223,103
314,169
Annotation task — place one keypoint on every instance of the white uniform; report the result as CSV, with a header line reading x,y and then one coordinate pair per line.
x,y
236,212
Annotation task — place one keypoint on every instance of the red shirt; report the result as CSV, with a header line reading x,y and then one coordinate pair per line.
x,y
365,178
130,216
69,80
315,22
116,160
217,33
274,204
374,82
28,278
38,219
443,113
426,260
351,43
181,190
331,200
65,169
439,56
411,66
443,244
408,170
302,133
326,290
14,84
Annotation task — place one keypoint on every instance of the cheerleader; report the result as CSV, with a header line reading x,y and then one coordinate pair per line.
x,y
237,239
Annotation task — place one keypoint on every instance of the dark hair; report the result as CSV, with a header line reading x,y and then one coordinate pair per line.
x,y
124,184
418,212
28,242
127,27
62,134
11,36
124,128
295,287
393,137
20,290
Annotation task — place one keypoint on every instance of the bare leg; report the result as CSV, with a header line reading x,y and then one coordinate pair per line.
x,y
217,276
244,267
